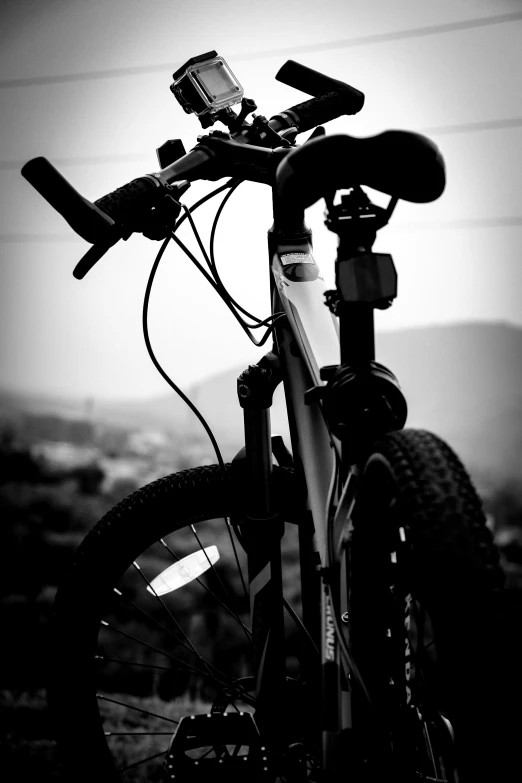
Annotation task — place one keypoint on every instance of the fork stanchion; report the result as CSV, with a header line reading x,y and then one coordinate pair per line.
x,y
261,530
258,454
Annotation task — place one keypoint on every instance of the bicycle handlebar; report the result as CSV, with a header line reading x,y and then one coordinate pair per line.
x,y
312,82
124,209
333,98
137,206
317,111
402,164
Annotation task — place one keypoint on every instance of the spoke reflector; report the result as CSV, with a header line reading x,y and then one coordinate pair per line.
x,y
184,571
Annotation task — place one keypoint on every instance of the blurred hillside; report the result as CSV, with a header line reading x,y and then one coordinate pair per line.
x,y
463,382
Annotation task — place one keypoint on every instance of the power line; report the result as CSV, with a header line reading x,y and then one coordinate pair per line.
x,y
82,160
398,35
343,43
40,238
472,127
94,160
471,224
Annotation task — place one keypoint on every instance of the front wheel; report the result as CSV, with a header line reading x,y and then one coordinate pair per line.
x,y
424,578
144,637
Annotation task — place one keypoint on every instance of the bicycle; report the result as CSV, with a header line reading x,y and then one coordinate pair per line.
x,y
361,662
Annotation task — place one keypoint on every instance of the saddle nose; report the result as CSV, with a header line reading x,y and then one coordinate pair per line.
x,y
400,163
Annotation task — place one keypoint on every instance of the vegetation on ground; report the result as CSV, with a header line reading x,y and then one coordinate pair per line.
x,y
45,512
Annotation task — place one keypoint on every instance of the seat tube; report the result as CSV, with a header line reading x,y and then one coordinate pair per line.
x,y
357,332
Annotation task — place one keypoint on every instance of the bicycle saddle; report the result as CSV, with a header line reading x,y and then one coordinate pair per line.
x,y
399,163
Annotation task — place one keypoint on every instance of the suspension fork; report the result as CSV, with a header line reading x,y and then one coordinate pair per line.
x,y
260,531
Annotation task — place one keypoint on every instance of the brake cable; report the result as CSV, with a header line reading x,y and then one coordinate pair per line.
x,y
221,290
212,261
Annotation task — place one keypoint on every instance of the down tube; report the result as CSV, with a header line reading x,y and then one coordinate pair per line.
x,y
306,343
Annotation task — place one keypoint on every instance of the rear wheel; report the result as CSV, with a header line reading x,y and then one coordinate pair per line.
x,y
130,663
422,591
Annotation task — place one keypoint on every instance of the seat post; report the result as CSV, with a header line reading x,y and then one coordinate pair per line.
x,y
361,399
364,280
357,332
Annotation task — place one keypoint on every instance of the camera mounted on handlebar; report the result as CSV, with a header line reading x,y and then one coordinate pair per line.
x,y
205,86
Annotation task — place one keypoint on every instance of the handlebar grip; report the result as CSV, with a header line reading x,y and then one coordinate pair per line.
x,y
90,222
316,111
129,205
315,83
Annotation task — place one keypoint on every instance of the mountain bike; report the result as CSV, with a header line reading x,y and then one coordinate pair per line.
x,y
320,612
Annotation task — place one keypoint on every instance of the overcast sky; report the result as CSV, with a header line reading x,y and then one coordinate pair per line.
x,y
458,258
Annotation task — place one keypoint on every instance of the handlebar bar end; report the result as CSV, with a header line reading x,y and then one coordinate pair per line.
x,y
82,215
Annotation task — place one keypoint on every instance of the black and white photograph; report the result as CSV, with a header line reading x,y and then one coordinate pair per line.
x,y
261,391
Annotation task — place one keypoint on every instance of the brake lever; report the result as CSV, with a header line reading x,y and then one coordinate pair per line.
x,y
94,253
157,228
289,134
319,131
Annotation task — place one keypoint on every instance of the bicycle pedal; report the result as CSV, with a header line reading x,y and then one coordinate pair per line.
x,y
226,745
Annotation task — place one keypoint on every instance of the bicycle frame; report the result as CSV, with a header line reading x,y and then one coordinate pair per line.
x,y
298,290
306,340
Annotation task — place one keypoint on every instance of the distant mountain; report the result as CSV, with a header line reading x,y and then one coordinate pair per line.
x,y
463,382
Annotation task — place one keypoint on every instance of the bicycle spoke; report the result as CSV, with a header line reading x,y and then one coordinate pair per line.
x,y
162,627
244,695
183,664
227,522
165,607
297,620
143,761
156,622
154,593
136,709
229,526
132,663
212,593
138,733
